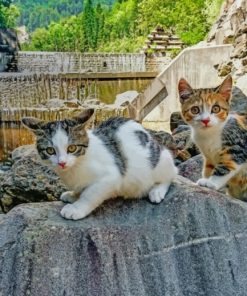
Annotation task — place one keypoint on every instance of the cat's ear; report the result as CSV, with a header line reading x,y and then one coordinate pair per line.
x,y
83,117
184,90
225,89
32,123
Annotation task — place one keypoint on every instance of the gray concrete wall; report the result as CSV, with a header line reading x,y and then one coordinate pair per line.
x,y
65,62
197,66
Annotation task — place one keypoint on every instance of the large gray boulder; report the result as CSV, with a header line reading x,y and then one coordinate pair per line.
x,y
193,243
28,180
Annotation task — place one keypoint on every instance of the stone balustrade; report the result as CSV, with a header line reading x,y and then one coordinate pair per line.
x,y
69,62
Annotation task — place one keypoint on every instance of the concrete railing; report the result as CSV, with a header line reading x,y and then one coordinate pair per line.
x,y
76,62
196,64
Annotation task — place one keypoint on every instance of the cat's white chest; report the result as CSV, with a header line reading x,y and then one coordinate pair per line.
x,y
209,143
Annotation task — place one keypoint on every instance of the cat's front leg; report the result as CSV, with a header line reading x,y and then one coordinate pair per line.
x,y
158,192
208,168
90,199
206,182
222,174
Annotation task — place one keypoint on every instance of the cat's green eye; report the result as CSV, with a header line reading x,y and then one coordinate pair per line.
x,y
195,110
71,148
216,109
50,150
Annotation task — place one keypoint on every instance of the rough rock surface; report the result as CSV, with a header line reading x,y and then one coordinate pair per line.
x,y
192,168
176,120
193,243
184,145
28,180
231,27
239,98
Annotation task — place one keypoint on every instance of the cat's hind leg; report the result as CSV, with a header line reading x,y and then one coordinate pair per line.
x,y
158,192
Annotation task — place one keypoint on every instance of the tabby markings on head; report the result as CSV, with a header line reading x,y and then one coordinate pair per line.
x,y
60,142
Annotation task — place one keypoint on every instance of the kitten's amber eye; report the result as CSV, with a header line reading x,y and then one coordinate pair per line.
x,y
72,148
50,150
216,109
195,110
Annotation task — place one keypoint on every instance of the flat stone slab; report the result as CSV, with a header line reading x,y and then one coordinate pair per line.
x,y
193,243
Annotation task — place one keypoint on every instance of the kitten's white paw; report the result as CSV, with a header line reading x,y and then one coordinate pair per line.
x,y
68,196
205,183
73,212
157,193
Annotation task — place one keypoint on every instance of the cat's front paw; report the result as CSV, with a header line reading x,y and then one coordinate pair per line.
x,y
157,193
205,183
73,212
68,196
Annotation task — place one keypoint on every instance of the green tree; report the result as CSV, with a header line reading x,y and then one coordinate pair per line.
x,y
88,26
8,14
193,24
124,26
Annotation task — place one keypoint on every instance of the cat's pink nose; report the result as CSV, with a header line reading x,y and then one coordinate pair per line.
x,y
206,121
62,164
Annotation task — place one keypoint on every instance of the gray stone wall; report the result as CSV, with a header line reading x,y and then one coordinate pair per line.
x,y
69,62
157,63
4,58
20,90
24,91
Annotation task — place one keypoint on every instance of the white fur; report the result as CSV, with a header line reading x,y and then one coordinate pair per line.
x,y
95,176
60,143
208,140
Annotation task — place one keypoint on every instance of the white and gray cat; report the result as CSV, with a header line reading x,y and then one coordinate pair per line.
x,y
119,158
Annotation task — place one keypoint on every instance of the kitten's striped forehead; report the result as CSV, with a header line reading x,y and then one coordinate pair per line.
x,y
60,137
206,97
52,127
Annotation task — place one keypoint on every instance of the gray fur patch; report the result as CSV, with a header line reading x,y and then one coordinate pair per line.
x,y
221,170
44,138
41,144
142,137
155,151
234,138
107,133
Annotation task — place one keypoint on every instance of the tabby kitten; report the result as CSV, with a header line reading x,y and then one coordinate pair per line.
x,y
220,136
119,158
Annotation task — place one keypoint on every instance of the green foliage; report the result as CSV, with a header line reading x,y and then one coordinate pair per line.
x,y
123,45
124,26
192,25
212,8
40,13
191,20
154,12
8,14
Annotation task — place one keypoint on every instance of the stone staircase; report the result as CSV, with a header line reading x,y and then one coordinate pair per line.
x,y
196,64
